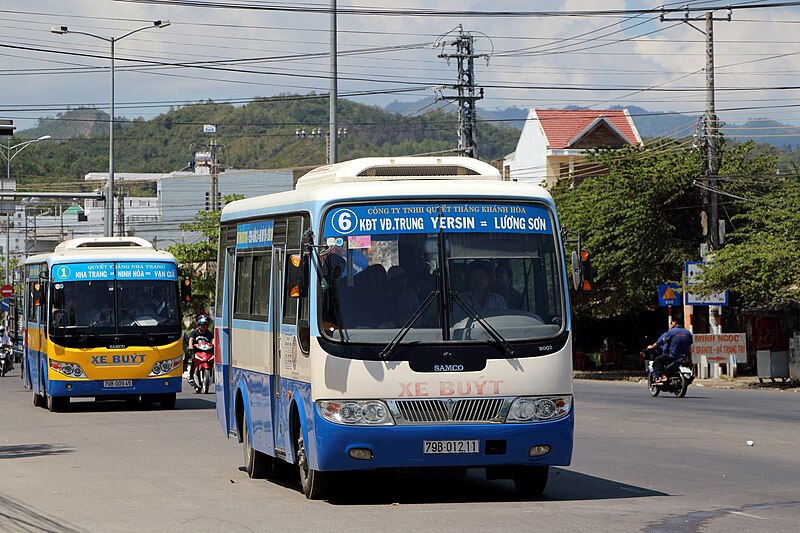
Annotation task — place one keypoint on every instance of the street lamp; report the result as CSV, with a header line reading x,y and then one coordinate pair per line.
x,y
109,207
10,153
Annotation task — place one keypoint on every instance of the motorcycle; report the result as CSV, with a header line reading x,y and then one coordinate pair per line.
x,y
6,359
203,366
678,372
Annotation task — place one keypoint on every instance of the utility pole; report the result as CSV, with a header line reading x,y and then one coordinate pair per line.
x,y
466,97
711,130
333,150
214,177
711,134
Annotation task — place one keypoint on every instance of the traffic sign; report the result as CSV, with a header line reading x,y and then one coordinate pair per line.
x,y
694,270
669,294
6,291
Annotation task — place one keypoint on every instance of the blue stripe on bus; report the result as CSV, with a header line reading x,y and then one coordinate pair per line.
x,y
93,387
329,444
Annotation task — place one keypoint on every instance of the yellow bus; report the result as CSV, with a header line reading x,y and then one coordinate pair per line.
x,y
102,319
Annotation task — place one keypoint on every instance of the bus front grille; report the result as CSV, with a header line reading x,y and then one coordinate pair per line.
x,y
450,410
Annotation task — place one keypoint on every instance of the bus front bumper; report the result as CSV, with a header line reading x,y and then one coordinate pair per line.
x,y
117,387
404,446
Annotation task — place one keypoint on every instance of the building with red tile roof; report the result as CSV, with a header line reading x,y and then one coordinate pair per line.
x,y
553,142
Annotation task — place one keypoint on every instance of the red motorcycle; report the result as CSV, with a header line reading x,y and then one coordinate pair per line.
x,y
203,366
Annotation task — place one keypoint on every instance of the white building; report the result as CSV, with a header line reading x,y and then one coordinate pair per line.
x,y
554,142
178,196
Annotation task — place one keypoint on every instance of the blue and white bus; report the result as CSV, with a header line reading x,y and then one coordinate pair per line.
x,y
392,313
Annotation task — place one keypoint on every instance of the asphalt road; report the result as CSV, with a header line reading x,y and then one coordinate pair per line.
x,y
640,464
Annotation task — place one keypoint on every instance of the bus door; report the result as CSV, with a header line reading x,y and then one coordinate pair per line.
x,y
276,314
227,382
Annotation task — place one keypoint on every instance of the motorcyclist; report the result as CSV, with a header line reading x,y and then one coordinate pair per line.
x,y
675,344
5,340
200,333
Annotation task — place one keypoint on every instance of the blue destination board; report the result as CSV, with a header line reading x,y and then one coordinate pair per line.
x,y
131,270
430,218
147,270
254,235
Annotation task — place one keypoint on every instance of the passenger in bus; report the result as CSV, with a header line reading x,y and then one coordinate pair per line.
x,y
141,307
90,310
480,298
379,309
405,297
458,277
504,286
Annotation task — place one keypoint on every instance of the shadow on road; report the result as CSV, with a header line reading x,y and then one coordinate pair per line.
x,y
16,516
90,405
21,451
383,488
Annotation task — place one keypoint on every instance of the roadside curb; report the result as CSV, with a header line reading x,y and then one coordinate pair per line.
x,y
744,382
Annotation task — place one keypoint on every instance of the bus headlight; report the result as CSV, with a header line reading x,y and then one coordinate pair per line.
x,y
356,412
166,366
539,409
72,370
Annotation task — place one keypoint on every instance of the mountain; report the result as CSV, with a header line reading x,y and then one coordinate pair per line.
x,y
78,122
651,124
258,134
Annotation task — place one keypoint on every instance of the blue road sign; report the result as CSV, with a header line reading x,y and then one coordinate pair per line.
x,y
669,294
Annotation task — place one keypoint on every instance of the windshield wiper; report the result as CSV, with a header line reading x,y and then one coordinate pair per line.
x,y
387,351
473,314
141,327
89,331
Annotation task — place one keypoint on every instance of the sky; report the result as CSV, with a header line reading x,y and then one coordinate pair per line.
x,y
587,53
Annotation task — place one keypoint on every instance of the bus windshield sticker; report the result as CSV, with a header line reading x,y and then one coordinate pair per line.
x,y
147,270
254,235
431,218
359,241
129,270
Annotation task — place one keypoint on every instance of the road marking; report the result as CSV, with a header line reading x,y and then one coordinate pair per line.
x,y
748,515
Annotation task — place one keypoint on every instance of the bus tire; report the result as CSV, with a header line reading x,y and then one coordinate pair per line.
x,y
38,400
256,464
56,404
530,481
315,484
167,401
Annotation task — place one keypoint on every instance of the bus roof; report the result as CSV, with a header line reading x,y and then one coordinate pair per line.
x,y
398,178
102,248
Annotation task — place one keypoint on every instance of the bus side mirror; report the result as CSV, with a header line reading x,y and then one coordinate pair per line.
x,y
298,275
581,271
186,289
37,294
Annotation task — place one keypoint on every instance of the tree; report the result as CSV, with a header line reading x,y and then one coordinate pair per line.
x,y
199,259
759,263
639,221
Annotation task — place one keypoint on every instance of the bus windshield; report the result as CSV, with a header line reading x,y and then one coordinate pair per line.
x,y
473,272
88,312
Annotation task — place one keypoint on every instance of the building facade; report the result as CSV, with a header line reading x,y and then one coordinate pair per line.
x,y
554,142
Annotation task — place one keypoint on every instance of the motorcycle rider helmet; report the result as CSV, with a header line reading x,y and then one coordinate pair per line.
x,y
202,319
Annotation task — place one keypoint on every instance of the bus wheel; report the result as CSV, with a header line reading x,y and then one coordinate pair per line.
x,y
314,483
167,401
257,464
38,400
57,403
530,481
